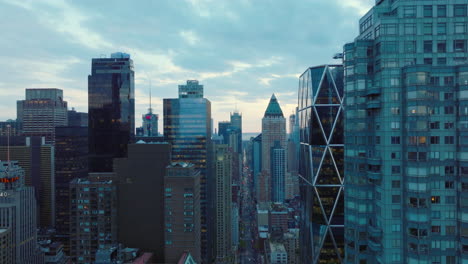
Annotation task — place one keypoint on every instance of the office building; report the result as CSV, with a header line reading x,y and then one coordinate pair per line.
x,y
236,126
71,161
321,163
256,165
406,157
42,111
93,215
223,202
77,119
37,160
223,130
11,127
150,124
53,252
292,246
273,129
18,217
187,126
111,110
182,212
276,253
278,173
141,196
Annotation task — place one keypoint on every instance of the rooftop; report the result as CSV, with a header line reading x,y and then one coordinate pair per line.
x,y
273,108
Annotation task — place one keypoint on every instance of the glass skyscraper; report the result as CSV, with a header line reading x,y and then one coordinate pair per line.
x,y
406,160
111,110
187,126
321,166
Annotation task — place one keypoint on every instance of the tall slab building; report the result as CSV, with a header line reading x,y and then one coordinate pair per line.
x,y
140,196
273,129
43,110
18,217
406,161
111,110
223,202
321,166
187,126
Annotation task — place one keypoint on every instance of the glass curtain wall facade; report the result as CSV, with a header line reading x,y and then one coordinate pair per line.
x,y
406,121
187,126
321,164
111,109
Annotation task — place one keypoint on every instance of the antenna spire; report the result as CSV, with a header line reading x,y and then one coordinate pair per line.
x,y
8,149
150,96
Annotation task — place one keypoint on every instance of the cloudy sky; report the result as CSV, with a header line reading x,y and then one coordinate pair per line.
x,y
242,51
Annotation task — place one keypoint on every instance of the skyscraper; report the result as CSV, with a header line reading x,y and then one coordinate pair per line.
x,y
141,196
150,124
37,160
41,112
406,160
18,214
273,129
223,202
321,164
236,125
77,119
111,110
278,173
93,215
71,161
182,212
187,126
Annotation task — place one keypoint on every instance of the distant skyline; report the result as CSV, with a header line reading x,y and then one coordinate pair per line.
x,y
241,51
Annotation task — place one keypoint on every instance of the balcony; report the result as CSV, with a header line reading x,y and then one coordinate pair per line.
x,y
374,175
375,246
374,161
373,91
374,104
374,231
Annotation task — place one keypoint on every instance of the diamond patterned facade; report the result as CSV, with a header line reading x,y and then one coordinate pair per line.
x,y
321,164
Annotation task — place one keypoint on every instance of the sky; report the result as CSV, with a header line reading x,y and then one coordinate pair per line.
x,y
242,51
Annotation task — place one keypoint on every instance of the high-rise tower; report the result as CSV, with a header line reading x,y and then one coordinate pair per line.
x,y
406,161
111,110
321,164
187,126
41,112
273,129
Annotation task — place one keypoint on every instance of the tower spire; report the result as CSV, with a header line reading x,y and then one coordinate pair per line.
x,y
150,109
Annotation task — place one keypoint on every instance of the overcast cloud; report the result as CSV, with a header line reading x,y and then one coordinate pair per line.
x,y
242,51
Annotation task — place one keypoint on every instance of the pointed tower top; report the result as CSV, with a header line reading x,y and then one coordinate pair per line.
x,y
273,108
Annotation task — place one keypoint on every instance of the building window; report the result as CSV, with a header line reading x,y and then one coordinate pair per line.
x,y
448,125
395,169
449,199
449,185
428,61
460,27
395,184
441,61
448,110
409,29
427,12
427,29
435,229
410,46
435,139
441,28
449,140
396,213
409,11
441,46
459,10
441,11
395,140
428,46
459,45
435,199
396,198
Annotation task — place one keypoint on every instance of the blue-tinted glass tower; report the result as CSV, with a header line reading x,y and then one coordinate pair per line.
x,y
321,174
406,160
187,126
